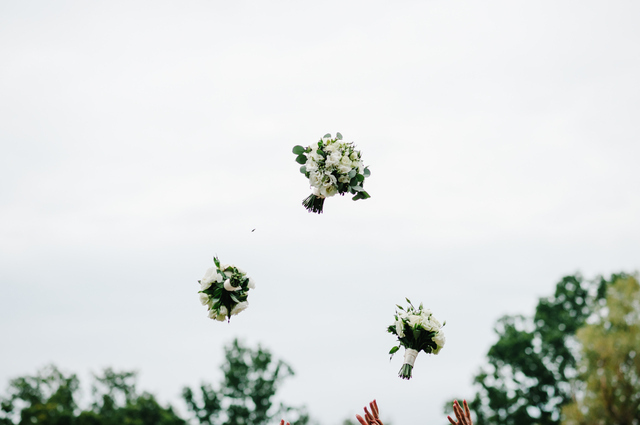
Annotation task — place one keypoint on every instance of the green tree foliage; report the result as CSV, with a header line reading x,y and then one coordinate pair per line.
x,y
251,379
49,398
608,388
117,401
530,367
46,398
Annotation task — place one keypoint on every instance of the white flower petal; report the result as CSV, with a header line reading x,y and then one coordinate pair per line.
x,y
228,287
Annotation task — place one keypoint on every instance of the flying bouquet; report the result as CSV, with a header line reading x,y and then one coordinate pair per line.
x,y
224,290
417,330
332,167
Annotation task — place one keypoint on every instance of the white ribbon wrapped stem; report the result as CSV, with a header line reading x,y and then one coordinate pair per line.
x,y
410,356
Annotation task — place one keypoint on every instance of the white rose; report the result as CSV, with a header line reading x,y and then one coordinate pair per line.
x,y
344,169
228,287
436,322
400,328
328,191
252,284
430,322
354,156
332,180
334,158
315,179
414,320
204,298
219,314
440,340
344,179
239,307
315,155
311,165
210,276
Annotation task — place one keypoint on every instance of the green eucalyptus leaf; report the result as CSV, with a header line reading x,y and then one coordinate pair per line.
x,y
303,170
338,136
357,188
367,173
298,150
352,174
360,177
327,136
301,159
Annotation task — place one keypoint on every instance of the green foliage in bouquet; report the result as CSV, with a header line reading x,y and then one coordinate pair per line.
x,y
332,167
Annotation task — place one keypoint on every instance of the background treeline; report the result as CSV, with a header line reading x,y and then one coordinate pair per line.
x,y
244,396
574,362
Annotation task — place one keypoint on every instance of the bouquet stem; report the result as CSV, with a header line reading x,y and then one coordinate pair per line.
x,y
409,359
405,371
314,204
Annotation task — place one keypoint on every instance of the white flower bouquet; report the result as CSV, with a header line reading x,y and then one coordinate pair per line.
x,y
224,290
417,330
332,167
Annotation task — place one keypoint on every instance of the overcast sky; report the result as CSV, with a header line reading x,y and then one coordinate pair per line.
x,y
141,138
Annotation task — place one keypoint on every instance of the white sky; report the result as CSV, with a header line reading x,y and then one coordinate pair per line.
x,y
140,139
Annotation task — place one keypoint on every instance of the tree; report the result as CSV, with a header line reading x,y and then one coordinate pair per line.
x,y
608,388
116,401
46,398
49,398
251,379
531,366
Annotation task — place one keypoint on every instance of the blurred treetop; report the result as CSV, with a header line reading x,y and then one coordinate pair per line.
x,y
608,388
251,380
532,366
